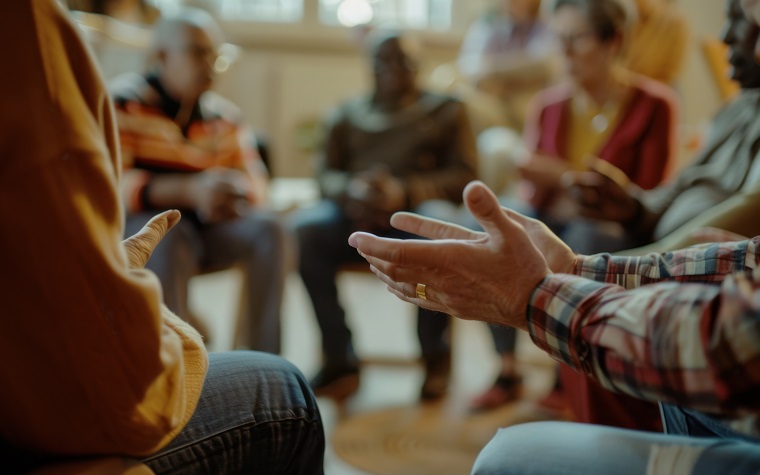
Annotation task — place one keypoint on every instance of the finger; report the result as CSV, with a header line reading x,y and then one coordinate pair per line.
x,y
486,209
520,218
408,293
140,246
402,274
585,179
409,252
611,172
430,228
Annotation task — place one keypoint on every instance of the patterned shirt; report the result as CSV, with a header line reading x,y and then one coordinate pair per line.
x,y
671,338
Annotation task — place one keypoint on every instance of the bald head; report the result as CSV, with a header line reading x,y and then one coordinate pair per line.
x,y
394,64
170,30
184,50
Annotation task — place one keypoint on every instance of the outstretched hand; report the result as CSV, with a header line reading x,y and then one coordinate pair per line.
x,y
487,276
140,246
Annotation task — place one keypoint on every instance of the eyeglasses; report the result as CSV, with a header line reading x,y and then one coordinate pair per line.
x,y
202,53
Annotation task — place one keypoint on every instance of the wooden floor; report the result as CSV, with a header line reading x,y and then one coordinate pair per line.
x,y
384,330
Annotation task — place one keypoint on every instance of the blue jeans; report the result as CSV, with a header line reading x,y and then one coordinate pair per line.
x,y
256,415
322,233
563,448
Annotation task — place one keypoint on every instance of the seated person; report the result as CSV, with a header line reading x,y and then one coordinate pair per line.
x,y
510,53
681,328
185,147
725,172
601,113
658,23
387,151
93,364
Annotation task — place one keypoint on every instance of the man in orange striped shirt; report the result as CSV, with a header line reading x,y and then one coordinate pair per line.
x,y
185,147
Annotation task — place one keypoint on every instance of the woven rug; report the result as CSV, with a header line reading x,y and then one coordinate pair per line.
x,y
438,439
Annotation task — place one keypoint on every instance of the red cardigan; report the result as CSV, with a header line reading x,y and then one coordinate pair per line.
x,y
643,144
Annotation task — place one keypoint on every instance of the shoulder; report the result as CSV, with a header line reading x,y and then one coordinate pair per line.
x,y
653,91
131,87
552,97
214,105
434,100
342,112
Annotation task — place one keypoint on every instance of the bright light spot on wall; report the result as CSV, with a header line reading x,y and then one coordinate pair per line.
x,y
355,12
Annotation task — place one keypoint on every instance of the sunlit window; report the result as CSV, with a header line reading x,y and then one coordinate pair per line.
x,y
413,14
275,11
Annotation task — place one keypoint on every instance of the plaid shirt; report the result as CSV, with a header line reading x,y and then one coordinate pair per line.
x,y
672,338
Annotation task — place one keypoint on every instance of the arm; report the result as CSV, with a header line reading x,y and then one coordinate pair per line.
x,y
704,263
92,346
150,140
736,215
684,342
690,344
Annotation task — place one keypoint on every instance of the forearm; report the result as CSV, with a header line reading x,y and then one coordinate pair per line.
x,y
693,345
704,263
169,191
735,215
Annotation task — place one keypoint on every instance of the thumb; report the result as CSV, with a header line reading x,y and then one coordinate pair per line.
x,y
485,207
140,246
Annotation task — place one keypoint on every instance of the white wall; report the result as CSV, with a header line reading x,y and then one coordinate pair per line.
x,y
289,75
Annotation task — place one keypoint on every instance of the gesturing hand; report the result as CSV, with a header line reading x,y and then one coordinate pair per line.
x,y
487,276
140,246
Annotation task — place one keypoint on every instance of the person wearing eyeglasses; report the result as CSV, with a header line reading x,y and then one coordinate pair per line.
x,y
186,147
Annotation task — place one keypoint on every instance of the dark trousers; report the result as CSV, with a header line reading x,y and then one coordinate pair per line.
x,y
322,232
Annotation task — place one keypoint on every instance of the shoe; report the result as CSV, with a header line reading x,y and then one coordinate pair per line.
x,y
504,390
437,376
336,383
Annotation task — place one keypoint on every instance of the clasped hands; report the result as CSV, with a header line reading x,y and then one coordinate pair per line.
x,y
487,276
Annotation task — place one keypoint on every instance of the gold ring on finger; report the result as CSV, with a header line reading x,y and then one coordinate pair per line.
x,y
420,290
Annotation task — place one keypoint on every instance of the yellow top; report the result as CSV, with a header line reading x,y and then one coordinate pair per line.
x,y
92,363
589,126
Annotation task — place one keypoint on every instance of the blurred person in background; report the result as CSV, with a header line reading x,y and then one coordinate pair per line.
x,y
719,189
386,151
601,116
186,147
659,41
93,365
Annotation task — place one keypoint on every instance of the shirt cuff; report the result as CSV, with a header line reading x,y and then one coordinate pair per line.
x,y
557,312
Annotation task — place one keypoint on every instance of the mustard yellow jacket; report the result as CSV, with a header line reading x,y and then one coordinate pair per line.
x,y
90,360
